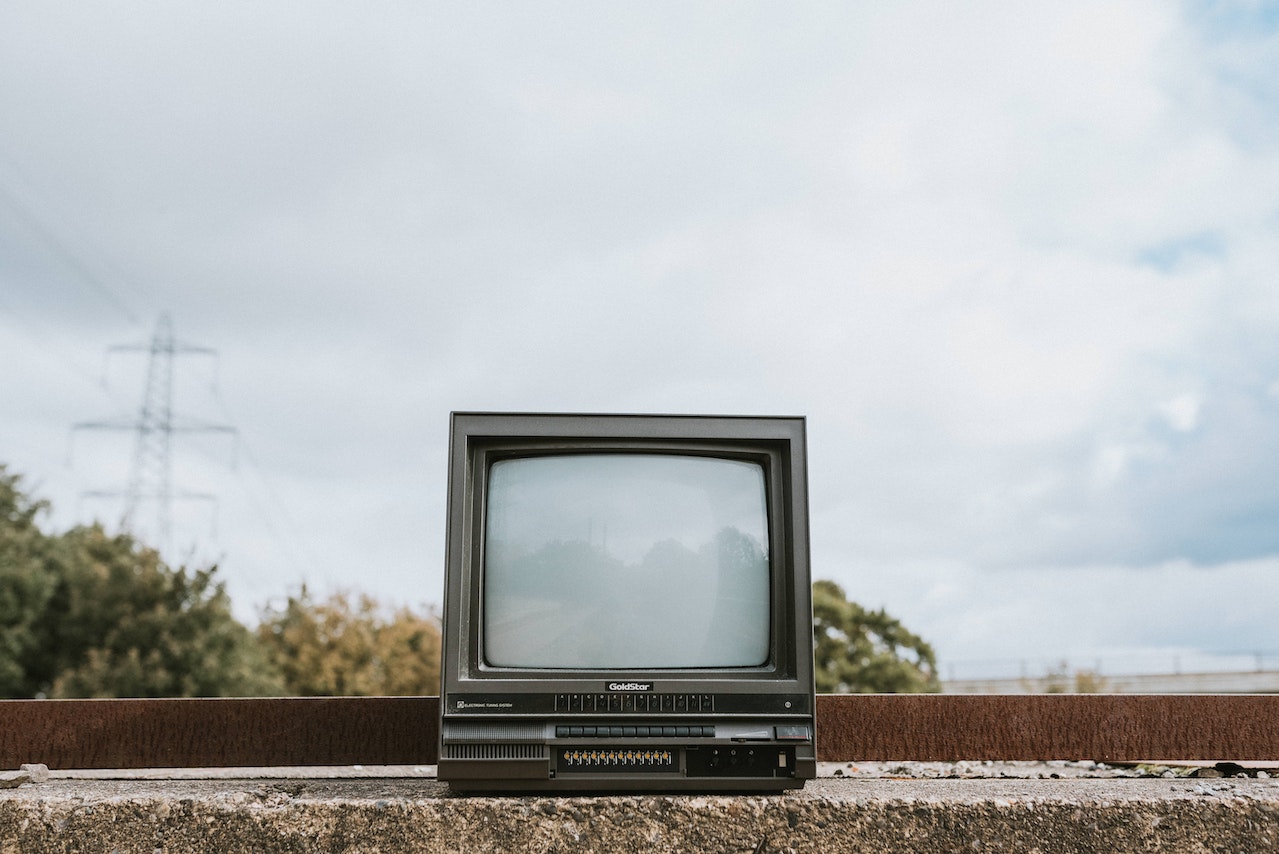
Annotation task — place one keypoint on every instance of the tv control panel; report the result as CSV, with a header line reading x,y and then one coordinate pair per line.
x,y
644,703
638,731
626,703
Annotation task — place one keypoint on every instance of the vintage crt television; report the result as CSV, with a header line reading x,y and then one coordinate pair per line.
x,y
627,604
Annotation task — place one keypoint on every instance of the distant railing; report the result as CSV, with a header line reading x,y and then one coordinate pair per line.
x,y
1090,682
264,732
1133,664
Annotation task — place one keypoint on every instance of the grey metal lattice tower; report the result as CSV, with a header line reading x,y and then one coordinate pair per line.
x,y
151,470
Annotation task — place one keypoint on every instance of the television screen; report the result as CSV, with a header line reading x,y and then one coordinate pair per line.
x,y
616,561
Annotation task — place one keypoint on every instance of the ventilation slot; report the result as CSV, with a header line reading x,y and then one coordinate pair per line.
x,y
494,751
460,733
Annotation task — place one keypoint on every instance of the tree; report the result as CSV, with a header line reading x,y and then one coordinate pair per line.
x,y
122,623
347,645
1061,680
25,588
87,614
857,651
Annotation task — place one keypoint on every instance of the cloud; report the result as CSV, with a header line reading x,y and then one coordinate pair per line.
x,y
1020,277
1128,618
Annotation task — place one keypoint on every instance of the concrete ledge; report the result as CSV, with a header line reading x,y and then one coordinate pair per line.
x,y
372,814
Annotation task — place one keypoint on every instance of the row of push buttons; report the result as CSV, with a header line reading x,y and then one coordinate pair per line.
x,y
704,731
638,702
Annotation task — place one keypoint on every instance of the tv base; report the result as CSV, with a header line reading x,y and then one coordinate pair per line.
x,y
607,757
625,787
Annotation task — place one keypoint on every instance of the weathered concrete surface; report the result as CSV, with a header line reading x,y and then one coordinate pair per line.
x,y
363,814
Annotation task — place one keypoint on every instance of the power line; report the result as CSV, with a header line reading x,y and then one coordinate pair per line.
x,y
36,226
274,509
55,245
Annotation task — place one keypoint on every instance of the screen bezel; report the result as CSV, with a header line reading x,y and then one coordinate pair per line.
x,y
777,444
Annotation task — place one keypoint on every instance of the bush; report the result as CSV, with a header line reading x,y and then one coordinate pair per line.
x,y
856,651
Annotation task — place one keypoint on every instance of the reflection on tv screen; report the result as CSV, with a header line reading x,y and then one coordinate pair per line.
x,y
600,561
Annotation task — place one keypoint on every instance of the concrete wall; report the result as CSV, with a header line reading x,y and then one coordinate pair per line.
x,y
828,815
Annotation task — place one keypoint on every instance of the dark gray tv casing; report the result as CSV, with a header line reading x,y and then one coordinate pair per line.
x,y
731,729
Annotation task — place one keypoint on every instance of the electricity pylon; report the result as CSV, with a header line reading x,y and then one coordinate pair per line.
x,y
151,471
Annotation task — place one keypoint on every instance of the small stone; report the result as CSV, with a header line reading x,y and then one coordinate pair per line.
x,y
39,772
13,779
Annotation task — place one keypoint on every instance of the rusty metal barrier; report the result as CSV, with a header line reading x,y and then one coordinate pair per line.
x,y
195,733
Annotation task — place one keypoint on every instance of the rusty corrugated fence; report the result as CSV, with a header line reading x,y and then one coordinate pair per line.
x,y
172,733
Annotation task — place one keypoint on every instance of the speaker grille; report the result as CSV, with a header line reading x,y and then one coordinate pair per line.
x,y
494,751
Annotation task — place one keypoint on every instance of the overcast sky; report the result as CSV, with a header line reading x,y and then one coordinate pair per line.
x,y
1015,262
